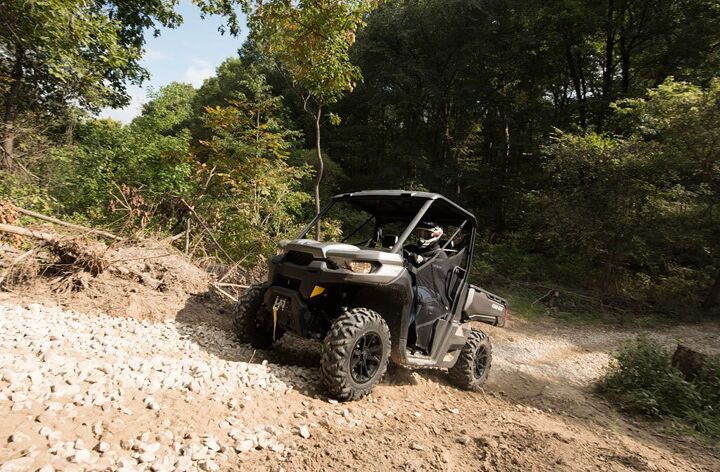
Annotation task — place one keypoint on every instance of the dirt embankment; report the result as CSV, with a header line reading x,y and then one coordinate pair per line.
x,y
130,375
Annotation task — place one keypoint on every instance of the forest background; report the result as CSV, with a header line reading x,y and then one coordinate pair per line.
x,y
584,135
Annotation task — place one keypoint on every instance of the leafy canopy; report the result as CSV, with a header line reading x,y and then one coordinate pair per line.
x,y
256,195
74,51
311,39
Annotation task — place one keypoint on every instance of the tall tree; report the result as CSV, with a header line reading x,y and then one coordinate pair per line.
x,y
311,40
59,52
256,194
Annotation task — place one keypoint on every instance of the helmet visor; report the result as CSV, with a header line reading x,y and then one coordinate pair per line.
x,y
423,233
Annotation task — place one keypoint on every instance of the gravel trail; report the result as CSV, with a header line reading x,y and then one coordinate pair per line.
x,y
97,392
117,376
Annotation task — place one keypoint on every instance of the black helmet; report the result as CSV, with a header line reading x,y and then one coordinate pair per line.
x,y
427,233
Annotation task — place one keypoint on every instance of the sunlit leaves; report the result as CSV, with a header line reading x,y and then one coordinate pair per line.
x,y
78,52
255,193
311,40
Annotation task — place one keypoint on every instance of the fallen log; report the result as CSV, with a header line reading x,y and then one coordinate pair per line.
x,y
30,233
87,256
57,221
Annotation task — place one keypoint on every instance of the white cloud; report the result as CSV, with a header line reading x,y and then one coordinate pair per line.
x,y
198,71
155,55
195,74
126,114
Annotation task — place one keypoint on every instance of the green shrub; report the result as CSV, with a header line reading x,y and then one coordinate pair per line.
x,y
642,380
25,192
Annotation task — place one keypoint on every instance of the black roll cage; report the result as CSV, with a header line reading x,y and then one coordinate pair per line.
x,y
449,210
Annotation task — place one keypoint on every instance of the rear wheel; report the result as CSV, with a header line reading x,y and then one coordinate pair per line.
x,y
355,354
247,318
472,367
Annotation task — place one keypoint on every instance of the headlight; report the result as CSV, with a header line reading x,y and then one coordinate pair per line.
x,y
361,267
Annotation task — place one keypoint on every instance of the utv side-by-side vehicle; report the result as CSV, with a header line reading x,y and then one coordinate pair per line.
x,y
371,290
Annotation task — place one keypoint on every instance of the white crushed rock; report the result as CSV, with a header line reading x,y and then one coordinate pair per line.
x,y
547,356
58,362
579,356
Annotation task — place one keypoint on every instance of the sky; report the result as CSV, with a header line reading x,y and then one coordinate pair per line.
x,y
189,53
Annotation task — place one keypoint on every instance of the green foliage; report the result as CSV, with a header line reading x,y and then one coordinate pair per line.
x,y
612,205
311,40
25,193
643,380
598,201
254,196
79,51
122,173
559,124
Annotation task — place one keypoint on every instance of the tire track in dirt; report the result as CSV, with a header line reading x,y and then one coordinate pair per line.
x,y
537,412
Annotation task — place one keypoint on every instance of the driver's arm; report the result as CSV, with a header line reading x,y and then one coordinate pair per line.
x,y
413,255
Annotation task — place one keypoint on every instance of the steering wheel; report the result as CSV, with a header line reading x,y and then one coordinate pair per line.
x,y
409,256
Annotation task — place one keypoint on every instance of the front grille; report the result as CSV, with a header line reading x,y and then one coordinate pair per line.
x,y
287,282
299,258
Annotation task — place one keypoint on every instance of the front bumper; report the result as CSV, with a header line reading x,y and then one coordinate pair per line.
x,y
387,291
295,283
293,315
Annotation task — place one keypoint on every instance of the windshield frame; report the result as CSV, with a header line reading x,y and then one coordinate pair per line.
x,y
397,248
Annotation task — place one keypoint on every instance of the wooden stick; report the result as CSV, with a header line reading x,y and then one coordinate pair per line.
x,y
174,237
233,267
187,236
9,249
224,293
51,219
552,290
202,222
227,284
20,231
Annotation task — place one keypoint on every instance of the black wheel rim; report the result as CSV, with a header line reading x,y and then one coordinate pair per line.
x,y
481,359
365,358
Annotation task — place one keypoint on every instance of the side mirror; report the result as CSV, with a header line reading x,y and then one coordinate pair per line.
x,y
389,240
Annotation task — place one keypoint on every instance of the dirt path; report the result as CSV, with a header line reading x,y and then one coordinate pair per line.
x,y
87,392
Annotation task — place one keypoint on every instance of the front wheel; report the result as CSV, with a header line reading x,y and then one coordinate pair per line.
x,y
355,354
472,367
247,323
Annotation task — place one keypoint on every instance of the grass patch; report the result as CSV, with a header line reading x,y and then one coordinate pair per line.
x,y
520,304
642,380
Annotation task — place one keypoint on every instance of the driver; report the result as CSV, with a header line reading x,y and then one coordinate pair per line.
x,y
427,301
427,243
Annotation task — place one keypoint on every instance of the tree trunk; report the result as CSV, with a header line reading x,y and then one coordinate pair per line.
x,y
51,219
11,99
575,77
713,298
70,127
609,61
688,361
624,50
320,168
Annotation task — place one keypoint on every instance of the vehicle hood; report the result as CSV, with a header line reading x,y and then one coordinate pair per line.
x,y
321,250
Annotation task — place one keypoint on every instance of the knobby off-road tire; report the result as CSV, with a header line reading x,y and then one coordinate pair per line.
x,y
346,371
247,326
472,367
